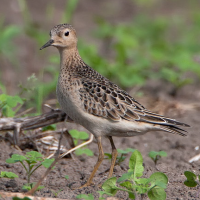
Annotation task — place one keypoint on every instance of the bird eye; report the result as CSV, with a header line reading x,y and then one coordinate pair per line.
x,y
67,33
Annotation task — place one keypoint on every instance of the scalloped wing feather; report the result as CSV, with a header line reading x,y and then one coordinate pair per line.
x,y
102,98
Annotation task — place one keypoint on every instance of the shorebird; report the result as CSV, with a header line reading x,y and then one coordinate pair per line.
x,y
96,103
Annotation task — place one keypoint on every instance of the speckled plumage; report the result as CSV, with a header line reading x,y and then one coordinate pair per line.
x,y
95,102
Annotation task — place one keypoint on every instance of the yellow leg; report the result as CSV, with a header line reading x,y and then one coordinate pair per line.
x,y
100,159
114,156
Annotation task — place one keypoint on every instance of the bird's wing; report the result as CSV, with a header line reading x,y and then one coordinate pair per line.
x,y
107,100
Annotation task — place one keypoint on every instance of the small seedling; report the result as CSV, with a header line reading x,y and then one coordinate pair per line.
x,y
30,162
5,174
154,185
85,196
56,193
67,177
121,157
30,186
80,135
155,156
192,179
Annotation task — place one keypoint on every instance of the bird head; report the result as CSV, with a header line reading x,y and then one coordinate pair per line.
x,y
62,36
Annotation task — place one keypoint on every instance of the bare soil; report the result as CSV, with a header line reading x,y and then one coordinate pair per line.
x,y
179,149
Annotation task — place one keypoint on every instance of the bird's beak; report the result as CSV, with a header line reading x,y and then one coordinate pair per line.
x,y
49,43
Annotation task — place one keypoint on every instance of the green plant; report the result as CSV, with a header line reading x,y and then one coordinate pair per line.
x,y
156,155
147,48
30,162
5,174
85,196
192,179
77,136
10,105
154,185
18,198
121,157
66,177
55,193
29,186
7,34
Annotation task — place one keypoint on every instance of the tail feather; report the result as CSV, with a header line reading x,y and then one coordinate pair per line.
x,y
166,119
173,129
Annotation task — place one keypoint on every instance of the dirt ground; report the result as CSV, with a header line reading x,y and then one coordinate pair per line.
x,y
179,149
184,107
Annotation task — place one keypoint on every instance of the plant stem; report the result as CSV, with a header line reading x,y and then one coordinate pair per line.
x,y
35,169
24,166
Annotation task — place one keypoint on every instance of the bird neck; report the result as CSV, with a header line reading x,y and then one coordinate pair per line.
x,y
69,58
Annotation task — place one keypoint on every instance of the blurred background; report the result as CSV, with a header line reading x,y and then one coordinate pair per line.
x,y
148,47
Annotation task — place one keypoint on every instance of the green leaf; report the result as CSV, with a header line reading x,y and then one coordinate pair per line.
x,y
26,187
191,179
50,127
157,193
127,184
86,151
78,134
67,177
159,179
102,193
131,195
109,156
34,156
86,197
15,158
12,101
110,186
162,153
136,163
47,162
7,111
5,174
128,150
18,198
30,186
142,181
154,154
125,176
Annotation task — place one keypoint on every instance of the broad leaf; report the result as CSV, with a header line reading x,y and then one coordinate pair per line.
x,y
110,185
131,195
78,134
136,163
154,154
15,158
86,151
5,174
128,185
142,181
47,162
128,150
159,179
85,196
157,193
191,179
109,156
125,176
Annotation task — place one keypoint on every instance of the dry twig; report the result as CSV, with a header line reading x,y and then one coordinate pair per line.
x,y
28,123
